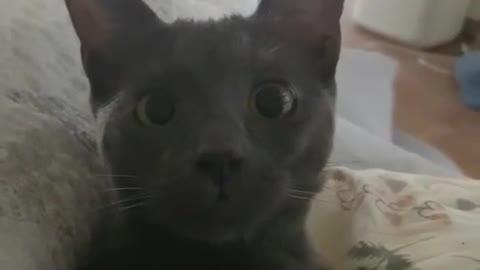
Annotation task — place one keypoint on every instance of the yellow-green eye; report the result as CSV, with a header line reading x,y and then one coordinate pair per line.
x,y
155,109
274,99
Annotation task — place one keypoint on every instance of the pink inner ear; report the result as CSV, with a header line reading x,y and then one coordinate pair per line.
x,y
90,22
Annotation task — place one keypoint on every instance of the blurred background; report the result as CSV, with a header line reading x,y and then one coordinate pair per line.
x,y
408,75
428,39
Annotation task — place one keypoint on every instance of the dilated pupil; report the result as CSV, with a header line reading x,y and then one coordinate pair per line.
x,y
159,109
274,101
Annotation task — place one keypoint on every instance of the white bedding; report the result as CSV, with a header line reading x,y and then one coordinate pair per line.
x,y
379,220
365,135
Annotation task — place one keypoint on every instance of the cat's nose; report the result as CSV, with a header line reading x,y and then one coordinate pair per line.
x,y
220,166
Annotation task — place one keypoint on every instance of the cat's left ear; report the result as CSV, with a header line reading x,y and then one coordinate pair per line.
x,y
109,31
314,25
98,22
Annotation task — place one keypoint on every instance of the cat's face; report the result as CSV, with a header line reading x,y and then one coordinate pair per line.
x,y
217,122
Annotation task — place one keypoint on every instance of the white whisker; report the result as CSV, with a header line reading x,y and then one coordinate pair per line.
x,y
309,199
303,192
299,197
116,175
138,198
122,189
123,209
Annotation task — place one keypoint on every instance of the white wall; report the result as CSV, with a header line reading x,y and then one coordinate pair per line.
x,y
475,10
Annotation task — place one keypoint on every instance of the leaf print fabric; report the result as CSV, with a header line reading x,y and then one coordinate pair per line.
x,y
380,220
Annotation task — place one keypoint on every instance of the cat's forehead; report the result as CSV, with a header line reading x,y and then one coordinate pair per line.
x,y
230,51
226,42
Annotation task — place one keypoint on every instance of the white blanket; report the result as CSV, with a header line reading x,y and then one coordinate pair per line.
x,y
376,219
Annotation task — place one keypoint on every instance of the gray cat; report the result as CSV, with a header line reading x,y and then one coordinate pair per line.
x,y
212,132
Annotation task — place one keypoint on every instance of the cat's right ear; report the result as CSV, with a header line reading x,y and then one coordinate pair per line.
x,y
108,29
313,25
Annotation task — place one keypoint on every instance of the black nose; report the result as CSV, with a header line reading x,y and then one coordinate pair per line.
x,y
219,166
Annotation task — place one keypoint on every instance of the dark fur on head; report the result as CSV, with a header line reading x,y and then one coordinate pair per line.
x,y
217,175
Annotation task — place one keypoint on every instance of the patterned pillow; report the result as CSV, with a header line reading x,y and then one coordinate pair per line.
x,y
376,219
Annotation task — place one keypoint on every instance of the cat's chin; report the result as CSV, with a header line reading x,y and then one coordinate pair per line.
x,y
222,225
214,236
214,231
197,210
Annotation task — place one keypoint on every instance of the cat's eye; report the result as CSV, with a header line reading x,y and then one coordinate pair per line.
x,y
155,110
274,99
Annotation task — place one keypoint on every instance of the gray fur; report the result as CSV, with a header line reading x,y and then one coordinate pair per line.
x,y
209,70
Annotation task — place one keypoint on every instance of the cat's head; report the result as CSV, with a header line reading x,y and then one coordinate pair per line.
x,y
216,121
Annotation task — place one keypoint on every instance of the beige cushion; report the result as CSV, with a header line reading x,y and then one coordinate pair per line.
x,y
384,220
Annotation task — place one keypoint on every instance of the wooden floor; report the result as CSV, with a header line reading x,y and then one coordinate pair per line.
x,y
427,98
